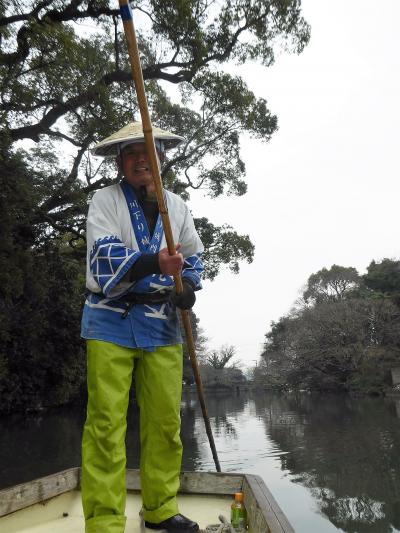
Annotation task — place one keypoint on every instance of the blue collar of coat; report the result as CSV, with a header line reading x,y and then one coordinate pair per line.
x,y
146,243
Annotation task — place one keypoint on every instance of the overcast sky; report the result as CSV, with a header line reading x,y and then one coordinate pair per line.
x,y
325,190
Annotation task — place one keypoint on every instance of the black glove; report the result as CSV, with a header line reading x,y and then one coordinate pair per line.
x,y
186,299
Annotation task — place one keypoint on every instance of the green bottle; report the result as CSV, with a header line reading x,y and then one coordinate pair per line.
x,y
238,513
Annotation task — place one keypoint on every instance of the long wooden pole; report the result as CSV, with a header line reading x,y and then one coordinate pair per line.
x,y
133,50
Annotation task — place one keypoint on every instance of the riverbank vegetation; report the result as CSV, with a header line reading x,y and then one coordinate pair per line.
x,y
220,370
342,335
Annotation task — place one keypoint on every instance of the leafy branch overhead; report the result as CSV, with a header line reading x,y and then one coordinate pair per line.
x,y
65,84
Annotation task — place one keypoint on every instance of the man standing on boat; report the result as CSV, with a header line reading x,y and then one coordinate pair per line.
x,y
132,331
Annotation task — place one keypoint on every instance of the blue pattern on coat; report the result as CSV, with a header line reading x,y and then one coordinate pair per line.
x,y
146,326
110,260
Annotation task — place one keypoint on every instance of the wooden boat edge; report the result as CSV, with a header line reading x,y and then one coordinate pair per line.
x,y
262,508
264,512
26,494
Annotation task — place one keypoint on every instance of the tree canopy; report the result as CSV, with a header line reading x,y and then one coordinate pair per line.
x,y
331,285
383,278
65,84
219,359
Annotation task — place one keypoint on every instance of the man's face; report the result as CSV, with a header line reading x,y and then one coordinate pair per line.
x,y
135,166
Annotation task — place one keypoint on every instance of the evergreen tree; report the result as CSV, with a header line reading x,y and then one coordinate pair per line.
x,y
65,83
41,295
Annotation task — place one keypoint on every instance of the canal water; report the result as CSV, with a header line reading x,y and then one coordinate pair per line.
x,y
332,462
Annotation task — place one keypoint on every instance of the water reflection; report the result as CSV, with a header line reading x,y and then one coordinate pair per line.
x,y
191,459
345,451
340,454
398,408
348,452
33,446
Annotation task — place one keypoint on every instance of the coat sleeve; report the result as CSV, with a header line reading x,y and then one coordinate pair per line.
x,y
109,258
192,249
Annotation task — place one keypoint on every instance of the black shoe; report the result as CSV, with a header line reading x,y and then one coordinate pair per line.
x,y
175,524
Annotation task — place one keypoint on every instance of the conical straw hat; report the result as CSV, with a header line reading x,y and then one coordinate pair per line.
x,y
133,131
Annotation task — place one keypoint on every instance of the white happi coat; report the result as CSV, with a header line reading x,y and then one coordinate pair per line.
x,y
117,235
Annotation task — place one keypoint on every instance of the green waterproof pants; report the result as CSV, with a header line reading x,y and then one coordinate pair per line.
x,y
158,384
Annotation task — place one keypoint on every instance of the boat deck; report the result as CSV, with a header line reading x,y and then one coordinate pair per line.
x,y
53,504
63,513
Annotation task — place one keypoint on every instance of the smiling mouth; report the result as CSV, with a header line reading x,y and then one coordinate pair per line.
x,y
142,169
